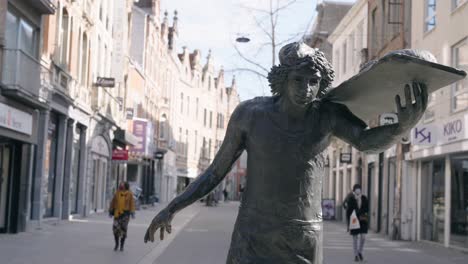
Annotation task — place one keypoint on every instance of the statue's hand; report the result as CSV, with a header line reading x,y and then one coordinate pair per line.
x,y
161,221
409,115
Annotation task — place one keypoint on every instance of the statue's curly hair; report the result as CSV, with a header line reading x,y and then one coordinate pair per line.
x,y
278,75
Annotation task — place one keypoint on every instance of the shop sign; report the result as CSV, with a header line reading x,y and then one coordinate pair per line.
x,y
440,133
120,154
14,119
105,82
345,157
143,130
454,130
388,119
424,135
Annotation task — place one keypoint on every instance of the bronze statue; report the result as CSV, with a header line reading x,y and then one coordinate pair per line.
x,y
285,135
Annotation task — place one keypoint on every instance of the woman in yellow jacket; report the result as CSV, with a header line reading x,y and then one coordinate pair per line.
x,y
121,208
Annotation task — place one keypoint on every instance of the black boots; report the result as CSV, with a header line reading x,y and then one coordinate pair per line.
x,y
122,242
116,239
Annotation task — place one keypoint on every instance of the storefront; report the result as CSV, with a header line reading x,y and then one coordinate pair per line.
x,y
17,136
440,163
100,189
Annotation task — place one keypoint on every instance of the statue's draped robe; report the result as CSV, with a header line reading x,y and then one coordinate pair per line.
x,y
280,218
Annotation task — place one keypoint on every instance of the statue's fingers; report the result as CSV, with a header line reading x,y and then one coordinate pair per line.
x,y
169,229
424,95
408,99
398,103
161,236
417,95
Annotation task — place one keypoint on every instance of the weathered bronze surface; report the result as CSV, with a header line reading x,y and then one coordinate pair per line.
x,y
285,135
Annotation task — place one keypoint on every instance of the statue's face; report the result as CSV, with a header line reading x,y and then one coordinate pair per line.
x,y
303,88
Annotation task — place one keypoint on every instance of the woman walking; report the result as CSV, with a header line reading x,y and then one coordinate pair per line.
x,y
358,203
121,208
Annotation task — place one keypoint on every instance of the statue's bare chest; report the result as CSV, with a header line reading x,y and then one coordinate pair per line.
x,y
274,135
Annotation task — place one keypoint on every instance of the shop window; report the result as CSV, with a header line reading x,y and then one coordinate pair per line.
x,y
433,200
430,15
460,89
459,202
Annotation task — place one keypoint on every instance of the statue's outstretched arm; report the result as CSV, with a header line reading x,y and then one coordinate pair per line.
x,y
230,150
352,130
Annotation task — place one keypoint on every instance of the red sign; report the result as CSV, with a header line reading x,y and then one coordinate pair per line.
x,y
120,154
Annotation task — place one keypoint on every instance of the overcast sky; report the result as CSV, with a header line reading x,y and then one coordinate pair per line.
x,y
215,24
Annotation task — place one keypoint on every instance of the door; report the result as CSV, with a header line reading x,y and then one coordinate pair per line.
x,y
433,200
5,153
98,184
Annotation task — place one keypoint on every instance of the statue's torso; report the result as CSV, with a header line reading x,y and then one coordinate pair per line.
x,y
285,163
281,207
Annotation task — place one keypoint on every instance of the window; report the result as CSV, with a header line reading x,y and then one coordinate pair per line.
x,y
186,142
64,37
84,60
20,34
211,118
204,148
195,142
430,15
188,104
359,43
343,63
375,39
460,89
204,117
162,127
337,63
179,144
351,51
457,3
196,110
209,148
181,103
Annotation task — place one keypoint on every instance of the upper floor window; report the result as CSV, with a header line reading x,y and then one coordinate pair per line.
x,y
457,3
460,61
181,103
204,117
64,37
162,126
20,34
430,15
343,61
196,110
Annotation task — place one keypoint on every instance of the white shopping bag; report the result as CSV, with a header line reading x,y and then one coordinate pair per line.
x,y
354,221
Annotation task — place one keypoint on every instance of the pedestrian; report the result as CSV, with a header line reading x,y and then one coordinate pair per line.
x,y
358,203
121,208
225,193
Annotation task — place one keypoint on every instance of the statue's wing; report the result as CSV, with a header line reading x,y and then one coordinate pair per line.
x,y
372,92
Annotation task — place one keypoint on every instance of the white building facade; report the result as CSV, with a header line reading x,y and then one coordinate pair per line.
x,y
435,182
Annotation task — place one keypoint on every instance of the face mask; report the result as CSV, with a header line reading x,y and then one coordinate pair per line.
x,y
357,191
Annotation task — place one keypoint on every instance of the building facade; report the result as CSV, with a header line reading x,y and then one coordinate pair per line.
x,y
348,41
24,96
435,195
369,31
83,82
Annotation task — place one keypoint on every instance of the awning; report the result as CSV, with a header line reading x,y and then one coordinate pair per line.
x,y
125,138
